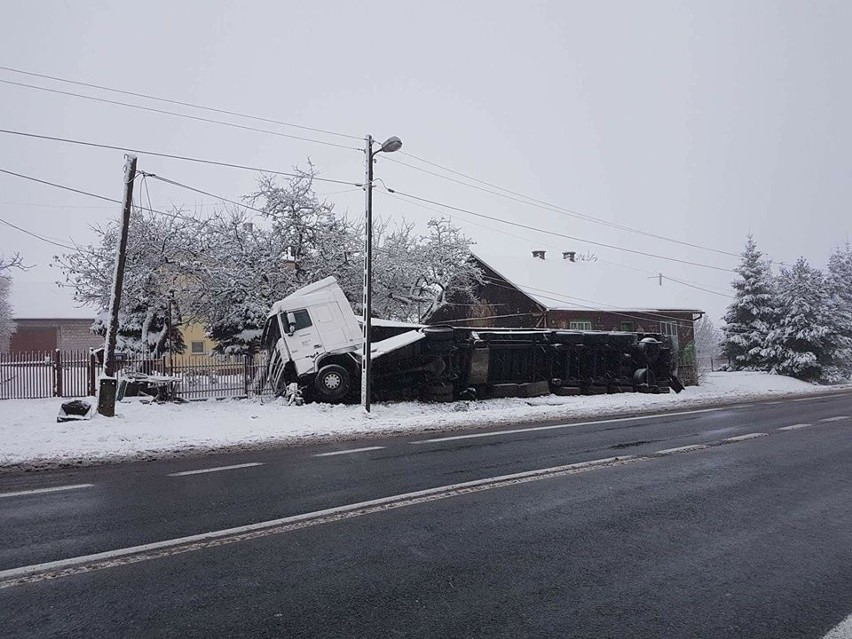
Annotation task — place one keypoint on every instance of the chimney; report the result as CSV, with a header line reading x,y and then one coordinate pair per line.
x,y
569,255
538,254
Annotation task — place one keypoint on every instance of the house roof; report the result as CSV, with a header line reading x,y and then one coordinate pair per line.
x,y
560,284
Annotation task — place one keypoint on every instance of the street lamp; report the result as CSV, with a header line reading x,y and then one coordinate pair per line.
x,y
388,146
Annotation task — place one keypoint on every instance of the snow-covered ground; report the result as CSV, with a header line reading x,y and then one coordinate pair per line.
x,y
30,435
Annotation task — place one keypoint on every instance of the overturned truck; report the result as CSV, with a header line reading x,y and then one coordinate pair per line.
x,y
313,339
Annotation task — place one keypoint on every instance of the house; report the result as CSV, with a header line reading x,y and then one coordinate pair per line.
x,y
577,292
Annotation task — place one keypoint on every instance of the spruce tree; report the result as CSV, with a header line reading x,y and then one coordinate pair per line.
x,y
838,366
800,343
752,315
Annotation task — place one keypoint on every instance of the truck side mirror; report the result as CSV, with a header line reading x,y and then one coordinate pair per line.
x,y
291,324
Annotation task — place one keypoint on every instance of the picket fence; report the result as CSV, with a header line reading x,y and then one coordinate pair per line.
x,y
58,373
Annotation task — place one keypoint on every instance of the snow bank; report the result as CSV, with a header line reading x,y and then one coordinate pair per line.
x,y
30,435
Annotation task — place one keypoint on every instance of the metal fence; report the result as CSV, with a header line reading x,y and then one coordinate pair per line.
x,y
75,373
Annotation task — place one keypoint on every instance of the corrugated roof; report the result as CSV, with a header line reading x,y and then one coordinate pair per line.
x,y
558,283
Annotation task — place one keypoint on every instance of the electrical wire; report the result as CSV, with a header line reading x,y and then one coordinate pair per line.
x,y
179,103
180,115
558,248
208,194
570,237
37,236
562,210
172,156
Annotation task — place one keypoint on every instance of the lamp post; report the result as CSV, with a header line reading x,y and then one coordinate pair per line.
x,y
388,146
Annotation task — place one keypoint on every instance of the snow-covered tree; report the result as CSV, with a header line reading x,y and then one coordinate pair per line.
x,y
158,248
839,289
752,315
800,344
708,343
7,324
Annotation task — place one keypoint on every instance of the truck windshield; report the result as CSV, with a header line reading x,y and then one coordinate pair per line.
x,y
271,333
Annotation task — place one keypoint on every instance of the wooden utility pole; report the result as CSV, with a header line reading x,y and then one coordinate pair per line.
x,y
108,383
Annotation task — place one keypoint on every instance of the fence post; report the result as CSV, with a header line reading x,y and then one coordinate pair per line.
x,y
92,372
57,373
246,372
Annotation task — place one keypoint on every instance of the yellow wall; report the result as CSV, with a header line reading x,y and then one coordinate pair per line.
x,y
194,332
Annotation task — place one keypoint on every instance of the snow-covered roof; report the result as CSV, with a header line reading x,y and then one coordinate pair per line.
x,y
46,300
558,283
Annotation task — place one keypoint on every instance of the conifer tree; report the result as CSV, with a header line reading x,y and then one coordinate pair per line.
x,y
839,288
751,316
800,342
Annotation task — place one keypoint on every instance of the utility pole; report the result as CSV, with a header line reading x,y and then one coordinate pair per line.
x,y
108,383
388,146
367,322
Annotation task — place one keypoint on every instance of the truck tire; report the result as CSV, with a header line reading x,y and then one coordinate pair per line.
x,y
644,377
332,383
441,339
438,393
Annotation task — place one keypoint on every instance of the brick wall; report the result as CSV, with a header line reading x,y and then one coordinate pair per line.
x,y
48,334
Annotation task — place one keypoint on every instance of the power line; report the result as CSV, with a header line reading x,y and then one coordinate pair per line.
x,y
541,204
179,115
191,188
570,237
60,186
559,248
179,103
37,236
183,158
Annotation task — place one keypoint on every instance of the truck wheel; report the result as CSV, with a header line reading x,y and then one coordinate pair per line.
x,y
644,377
438,393
441,339
332,383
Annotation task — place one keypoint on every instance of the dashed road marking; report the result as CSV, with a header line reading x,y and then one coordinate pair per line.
x,y
836,418
214,470
795,426
742,438
682,449
52,489
350,450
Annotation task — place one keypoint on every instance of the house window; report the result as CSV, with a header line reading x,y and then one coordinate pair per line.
x,y
197,348
580,325
669,329
627,327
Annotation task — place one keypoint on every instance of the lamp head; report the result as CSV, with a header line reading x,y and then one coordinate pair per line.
x,y
390,145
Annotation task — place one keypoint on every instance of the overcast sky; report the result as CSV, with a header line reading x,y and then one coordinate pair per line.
x,y
700,121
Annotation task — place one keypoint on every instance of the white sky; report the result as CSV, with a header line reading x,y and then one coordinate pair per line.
x,y
702,121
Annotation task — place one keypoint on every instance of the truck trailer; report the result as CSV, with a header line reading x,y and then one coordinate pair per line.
x,y
313,339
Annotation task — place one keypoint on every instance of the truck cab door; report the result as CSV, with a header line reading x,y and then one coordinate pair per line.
x,y
303,340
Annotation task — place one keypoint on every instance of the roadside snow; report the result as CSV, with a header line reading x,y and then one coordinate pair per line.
x,y
31,437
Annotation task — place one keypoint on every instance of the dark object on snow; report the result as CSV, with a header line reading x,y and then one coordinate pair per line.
x,y
75,410
676,384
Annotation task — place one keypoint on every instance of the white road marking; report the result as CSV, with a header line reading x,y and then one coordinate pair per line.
x,y
133,554
742,438
214,470
351,450
532,429
681,449
52,489
795,426
773,403
834,419
843,630
817,397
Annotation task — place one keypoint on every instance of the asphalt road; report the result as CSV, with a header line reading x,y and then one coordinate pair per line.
x,y
740,527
